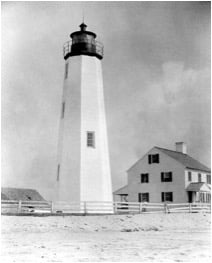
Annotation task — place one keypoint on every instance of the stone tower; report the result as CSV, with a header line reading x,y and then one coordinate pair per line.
x,y
83,171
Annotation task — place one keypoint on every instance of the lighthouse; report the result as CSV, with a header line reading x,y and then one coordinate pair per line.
x,y
83,169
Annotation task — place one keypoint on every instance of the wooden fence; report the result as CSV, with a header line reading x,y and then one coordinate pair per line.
x,y
62,208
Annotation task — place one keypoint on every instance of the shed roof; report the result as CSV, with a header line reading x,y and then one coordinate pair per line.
x,y
186,160
8,193
197,187
122,191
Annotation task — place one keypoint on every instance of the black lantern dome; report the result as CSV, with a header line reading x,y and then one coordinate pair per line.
x,y
83,43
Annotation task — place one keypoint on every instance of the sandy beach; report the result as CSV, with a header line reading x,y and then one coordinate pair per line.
x,y
136,238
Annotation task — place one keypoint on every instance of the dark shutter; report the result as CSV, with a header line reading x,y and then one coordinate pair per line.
x,y
162,196
170,174
157,158
149,156
162,177
171,197
139,197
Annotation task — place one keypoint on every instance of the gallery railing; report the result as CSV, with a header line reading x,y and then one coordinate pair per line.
x,y
83,46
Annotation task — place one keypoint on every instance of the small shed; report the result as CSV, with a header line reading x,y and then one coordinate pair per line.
x,y
8,193
121,195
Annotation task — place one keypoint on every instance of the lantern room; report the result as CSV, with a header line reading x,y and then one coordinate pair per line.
x,y
83,43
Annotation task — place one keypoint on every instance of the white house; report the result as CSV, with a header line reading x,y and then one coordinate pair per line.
x,y
163,175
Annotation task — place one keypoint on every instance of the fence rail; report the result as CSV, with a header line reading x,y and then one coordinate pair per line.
x,y
44,207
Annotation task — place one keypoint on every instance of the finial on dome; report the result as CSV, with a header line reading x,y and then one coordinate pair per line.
x,y
83,26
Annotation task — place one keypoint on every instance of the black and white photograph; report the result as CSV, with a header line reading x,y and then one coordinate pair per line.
x,y
106,131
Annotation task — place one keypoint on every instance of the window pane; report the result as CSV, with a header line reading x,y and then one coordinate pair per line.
x,y
189,177
167,196
155,158
144,178
90,139
166,177
143,197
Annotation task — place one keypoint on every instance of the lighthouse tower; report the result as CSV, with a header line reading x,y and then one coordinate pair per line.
x,y
83,171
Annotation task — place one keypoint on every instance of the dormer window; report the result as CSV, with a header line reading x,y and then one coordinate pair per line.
x,y
153,158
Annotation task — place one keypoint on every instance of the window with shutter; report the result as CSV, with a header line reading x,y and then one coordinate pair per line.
x,y
153,158
143,197
166,177
167,197
144,178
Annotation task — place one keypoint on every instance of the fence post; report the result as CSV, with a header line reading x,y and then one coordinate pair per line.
x,y
19,206
115,208
190,208
140,208
85,207
165,207
52,207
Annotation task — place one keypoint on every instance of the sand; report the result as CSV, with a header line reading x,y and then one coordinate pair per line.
x,y
142,238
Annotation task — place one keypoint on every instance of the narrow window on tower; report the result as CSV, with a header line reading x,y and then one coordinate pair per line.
x,y
90,139
63,110
58,172
66,70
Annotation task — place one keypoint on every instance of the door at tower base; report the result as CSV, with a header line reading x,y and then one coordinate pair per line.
x,y
83,163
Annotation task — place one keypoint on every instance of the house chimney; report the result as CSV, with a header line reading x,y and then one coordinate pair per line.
x,y
181,147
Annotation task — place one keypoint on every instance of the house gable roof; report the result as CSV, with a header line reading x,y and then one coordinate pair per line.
x,y
185,160
8,193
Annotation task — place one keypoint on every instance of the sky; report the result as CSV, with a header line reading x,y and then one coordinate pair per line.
x,y
156,73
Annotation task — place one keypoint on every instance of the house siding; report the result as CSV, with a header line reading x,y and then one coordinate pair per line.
x,y
195,176
155,187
